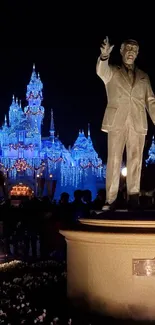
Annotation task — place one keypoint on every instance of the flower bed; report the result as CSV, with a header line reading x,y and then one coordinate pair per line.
x,y
32,293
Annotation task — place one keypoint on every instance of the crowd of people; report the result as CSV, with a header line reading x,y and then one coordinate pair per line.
x,y
41,218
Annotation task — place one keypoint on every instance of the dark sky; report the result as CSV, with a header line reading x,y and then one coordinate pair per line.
x,y
64,47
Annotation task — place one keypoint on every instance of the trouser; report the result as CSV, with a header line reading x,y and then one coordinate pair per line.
x,y
134,143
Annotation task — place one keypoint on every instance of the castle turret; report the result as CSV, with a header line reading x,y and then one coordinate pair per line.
x,y
34,110
15,112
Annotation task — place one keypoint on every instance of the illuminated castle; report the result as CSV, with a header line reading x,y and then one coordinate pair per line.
x,y
27,158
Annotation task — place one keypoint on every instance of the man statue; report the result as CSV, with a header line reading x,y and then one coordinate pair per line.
x,y
129,94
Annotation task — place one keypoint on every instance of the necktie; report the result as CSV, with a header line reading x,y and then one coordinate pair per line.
x,y
131,76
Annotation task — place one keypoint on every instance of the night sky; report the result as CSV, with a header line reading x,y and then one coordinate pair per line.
x,y
64,47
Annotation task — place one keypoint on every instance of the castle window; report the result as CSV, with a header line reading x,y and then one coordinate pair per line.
x,y
21,136
21,153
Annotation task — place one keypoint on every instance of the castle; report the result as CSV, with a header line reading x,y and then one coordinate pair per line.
x,y
32,162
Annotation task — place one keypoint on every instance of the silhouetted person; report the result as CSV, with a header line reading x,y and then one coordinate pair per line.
x,y
64,210
78,209
32,224
99,201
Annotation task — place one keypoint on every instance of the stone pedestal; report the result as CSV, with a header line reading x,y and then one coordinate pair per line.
x,y
111,267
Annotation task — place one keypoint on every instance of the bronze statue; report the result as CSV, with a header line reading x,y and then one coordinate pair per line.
x,y
129,94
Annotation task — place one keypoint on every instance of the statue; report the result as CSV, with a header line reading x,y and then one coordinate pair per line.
x,y
129,94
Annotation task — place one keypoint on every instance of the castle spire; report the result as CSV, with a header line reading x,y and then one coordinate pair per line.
x,y
5,122
34,96
5,125
14,104
88,129
52,128
52,122
34,88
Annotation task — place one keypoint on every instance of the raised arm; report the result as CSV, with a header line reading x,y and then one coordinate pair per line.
x,y
103,70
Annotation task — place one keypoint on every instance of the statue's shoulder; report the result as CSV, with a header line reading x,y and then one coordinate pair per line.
x,y
142,73
116,69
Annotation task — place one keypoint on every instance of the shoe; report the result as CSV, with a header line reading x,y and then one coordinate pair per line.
x,y
133,203
109,207
106,207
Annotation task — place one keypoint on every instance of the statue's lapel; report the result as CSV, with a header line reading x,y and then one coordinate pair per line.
x,y
138,75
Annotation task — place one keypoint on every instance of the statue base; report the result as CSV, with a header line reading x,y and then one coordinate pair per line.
x,y
123,214
111,266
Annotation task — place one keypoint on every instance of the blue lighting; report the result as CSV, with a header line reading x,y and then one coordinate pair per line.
x,y
28,157
151,152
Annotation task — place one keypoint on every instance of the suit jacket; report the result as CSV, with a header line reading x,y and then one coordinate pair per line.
x,y
125,98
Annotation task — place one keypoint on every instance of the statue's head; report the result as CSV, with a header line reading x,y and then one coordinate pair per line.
x,y
129,51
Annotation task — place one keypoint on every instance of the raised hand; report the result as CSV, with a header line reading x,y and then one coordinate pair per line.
x,y
106,48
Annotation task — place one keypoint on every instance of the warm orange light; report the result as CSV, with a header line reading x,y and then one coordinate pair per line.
x,y
21,190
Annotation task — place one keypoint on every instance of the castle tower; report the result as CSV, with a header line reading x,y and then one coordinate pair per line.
x,y
15,112
52,128
34,110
